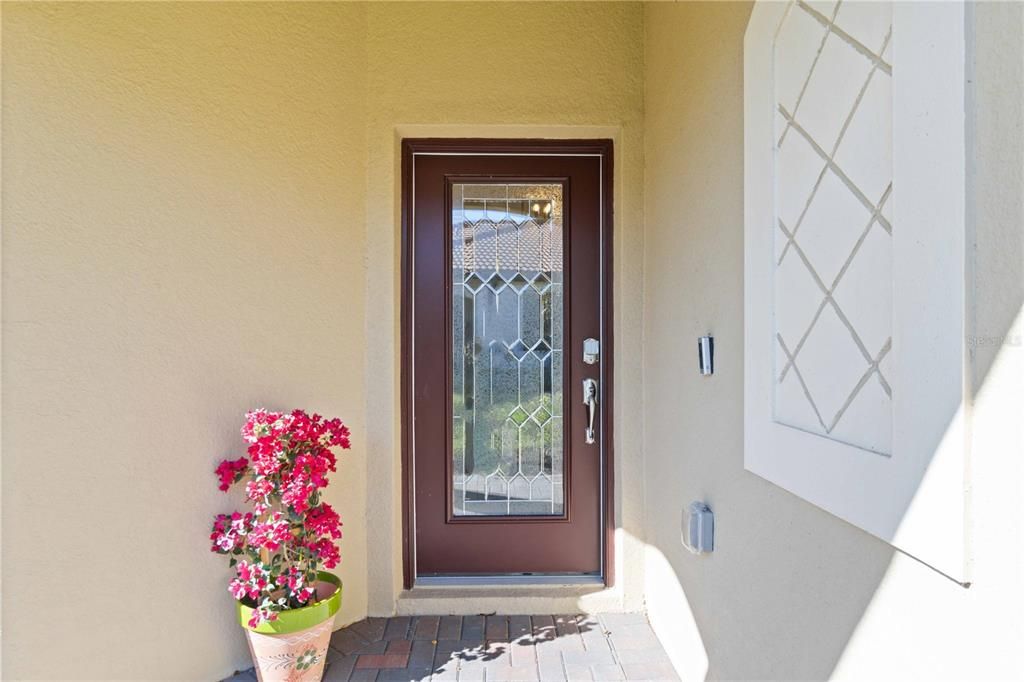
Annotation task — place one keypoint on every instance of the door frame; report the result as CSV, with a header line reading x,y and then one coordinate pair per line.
x,y
602,148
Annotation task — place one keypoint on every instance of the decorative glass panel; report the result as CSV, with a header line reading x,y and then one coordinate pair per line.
x,y
833,304
507,283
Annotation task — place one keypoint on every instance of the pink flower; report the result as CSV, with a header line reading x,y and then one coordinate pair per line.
x,y
323,520
303,426
222,538
271,534
295,580
241,524
231,471
253,579
293,577
261,615
266,456
339,433
316,430
246,571
296,494
326,551
237,589
311,469
289,534
260,424
259,488
229,532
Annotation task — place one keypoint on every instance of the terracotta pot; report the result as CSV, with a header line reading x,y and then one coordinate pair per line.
x,y
293,648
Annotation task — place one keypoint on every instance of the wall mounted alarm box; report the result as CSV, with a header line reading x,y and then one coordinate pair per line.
x,y
699,528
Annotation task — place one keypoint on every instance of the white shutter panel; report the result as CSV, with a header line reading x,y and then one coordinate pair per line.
x,y
854,265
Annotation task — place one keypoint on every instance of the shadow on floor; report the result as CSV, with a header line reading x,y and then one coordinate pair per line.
x,y
602,648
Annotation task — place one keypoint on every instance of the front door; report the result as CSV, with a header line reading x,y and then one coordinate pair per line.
x,y
506,342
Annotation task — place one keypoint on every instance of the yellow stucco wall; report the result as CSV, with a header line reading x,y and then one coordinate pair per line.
x,y
183,198
200,216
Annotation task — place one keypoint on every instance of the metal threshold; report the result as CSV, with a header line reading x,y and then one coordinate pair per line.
x,y
506,580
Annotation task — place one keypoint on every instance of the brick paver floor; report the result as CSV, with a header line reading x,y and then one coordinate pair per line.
x,y
602,648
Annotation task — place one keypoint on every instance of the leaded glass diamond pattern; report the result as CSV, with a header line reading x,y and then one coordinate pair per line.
x,y
519,349
833,234
519,416
507,356
518,282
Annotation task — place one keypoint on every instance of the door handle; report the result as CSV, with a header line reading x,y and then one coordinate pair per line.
x,y
590,400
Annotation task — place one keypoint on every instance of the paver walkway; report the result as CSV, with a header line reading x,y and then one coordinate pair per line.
x,y
496,649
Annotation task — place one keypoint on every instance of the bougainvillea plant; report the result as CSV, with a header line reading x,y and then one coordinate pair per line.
x,y
277,548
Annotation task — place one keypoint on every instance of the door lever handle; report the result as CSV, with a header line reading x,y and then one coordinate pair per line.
x,y
590,400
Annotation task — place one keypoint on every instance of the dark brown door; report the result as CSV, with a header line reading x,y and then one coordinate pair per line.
x,y
506,269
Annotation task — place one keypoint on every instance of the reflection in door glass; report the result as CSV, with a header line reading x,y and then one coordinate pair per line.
x,y
507,282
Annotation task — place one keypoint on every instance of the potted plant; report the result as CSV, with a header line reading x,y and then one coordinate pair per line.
x,y
285,602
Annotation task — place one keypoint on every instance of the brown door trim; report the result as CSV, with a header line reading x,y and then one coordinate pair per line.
x,y
603,148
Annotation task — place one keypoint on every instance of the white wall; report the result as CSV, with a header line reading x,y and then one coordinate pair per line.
x,y
790,591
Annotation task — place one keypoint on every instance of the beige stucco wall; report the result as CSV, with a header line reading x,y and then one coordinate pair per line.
x,y
188,232
183,239
791,592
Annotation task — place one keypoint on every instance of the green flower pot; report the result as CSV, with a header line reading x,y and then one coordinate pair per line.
x,y
294,620
294,646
